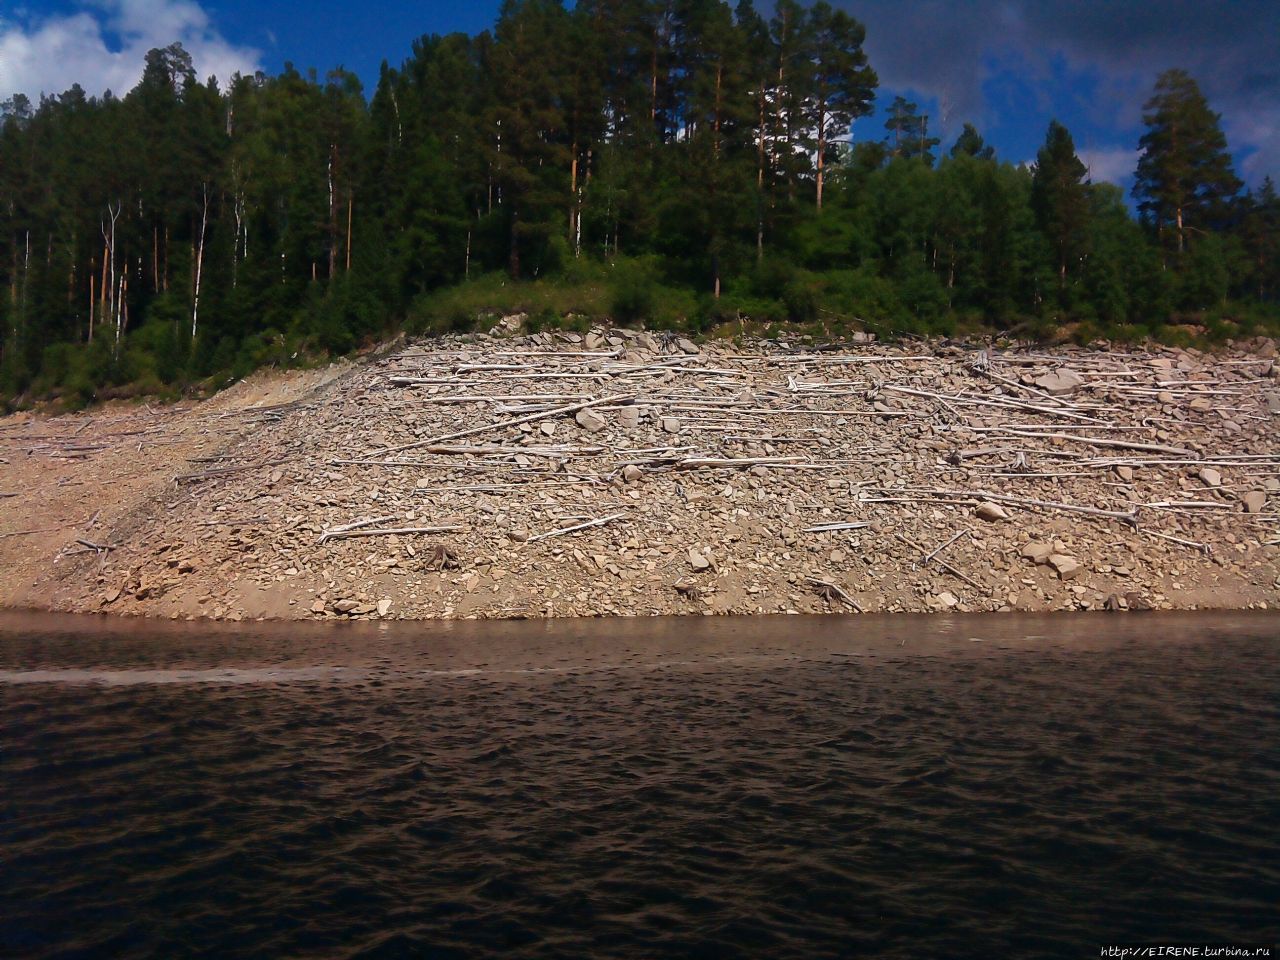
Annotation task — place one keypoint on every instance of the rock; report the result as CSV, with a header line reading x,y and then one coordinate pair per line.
x,y
1125,473
518,534
991,511
685,586
594,341
384,606
1060,382
946,599
1137,601
631,473
112,595
590,421
1201,404
346,606
317,606
698,561
1113,603
1067,567
687,346
1037,552
1254,501
1210,477
670,424
629,417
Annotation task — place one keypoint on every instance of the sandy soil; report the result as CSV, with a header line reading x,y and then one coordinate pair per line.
x,y
703,479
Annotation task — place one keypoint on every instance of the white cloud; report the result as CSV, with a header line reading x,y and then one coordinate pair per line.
x,y
1113,165
48,54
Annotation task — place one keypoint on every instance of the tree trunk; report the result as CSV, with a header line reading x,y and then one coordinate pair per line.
x,y
822,149
350,204
204,220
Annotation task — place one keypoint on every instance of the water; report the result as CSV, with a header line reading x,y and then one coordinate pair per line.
x,y
901,787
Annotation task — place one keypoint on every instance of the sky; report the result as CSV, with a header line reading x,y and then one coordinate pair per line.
x,y
1007,66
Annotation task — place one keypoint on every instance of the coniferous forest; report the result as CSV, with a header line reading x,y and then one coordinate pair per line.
x,y
679,162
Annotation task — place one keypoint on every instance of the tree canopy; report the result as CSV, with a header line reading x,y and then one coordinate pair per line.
x,y
679,161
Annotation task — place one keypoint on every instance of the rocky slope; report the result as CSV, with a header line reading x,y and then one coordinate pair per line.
x,y
628,473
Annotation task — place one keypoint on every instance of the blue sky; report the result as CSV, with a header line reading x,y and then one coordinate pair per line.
x,y
1008,66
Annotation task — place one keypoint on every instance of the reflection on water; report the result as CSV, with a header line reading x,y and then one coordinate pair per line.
x,y
788,787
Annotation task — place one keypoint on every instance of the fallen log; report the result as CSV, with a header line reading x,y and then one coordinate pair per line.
x,y
502,424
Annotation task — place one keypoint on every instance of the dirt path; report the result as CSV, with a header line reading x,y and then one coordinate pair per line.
x,y
632,474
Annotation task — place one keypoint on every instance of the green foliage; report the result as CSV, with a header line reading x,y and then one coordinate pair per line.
x,y
683,165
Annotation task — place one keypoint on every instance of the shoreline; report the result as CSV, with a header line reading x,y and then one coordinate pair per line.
x,y
627,473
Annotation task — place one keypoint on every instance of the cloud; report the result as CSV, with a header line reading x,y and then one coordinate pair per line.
x,y
102,46
950,50
1113,166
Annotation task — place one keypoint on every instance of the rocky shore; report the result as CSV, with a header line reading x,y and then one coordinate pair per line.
x,y
632,473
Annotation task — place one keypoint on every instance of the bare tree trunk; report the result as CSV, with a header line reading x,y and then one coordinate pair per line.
x,y
822,149
204,221
350,204
333,214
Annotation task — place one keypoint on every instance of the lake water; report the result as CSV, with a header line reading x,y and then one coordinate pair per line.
x,y
783,787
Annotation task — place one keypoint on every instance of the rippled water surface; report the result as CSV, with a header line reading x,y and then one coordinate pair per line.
x,y
904,787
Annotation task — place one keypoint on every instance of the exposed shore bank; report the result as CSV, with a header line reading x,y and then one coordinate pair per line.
x,y
629,473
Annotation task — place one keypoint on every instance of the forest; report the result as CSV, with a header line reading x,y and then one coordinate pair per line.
x,y
679,162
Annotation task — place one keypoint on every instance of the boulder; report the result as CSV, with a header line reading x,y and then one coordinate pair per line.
x,y
991,511
631,473
670,424
1037,552
687,346
629,417
1254,501
1067,567
1060,382
590,421
1210,477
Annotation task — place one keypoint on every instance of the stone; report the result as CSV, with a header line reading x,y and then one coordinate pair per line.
x,y
991,511
1201,404
629,417
698,561
1254,501
547,427
1037,552
317,606
590,421
1060,382
346,606
946,599
384,606
670,424
1125,473
631,473
1210,477
1066,567
687,346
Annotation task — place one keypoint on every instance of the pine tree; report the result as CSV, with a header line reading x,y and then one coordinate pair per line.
x,y
1185,182
842,86
1060,198
971,144
909,132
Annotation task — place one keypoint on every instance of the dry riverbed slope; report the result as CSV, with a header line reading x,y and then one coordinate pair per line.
x,y
632,473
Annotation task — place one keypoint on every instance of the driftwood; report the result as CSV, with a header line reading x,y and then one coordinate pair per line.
x,y
940,562
397,531
830,591
580,526
224,471
515,422
835,527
